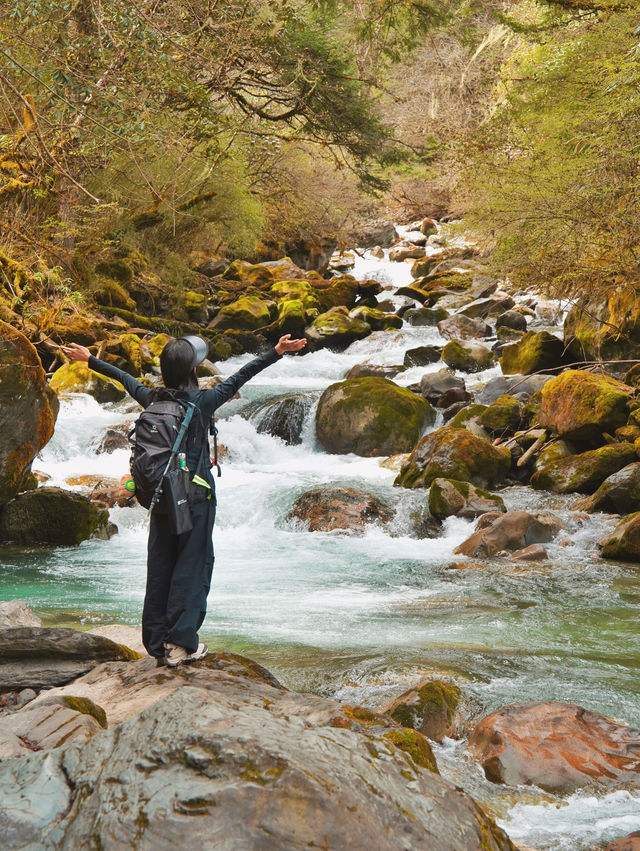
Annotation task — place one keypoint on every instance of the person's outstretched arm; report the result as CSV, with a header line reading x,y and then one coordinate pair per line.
x,y
140,393
228,388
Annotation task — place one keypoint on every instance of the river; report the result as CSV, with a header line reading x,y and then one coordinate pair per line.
x,y
363,617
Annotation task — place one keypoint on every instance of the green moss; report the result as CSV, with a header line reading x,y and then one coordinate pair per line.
x,y
624,542
87,707
473,358
503,416
292,317
466,414
583,473
119,269
416,746
112,294
362,716
342,293
194,301
248,313
297,290
377,320
582,405
535,351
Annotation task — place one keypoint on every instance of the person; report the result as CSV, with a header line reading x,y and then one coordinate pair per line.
x,y
179,567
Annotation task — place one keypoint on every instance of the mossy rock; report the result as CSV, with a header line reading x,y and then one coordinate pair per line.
x,y
86,707
119,269
292,317
76,328
508,335
126,352
583,473
471,358
554,451
249,273
582,405
76,377
471,412
605,328
425,316
414,745
296,290
503,416
50,516
110,293
454,453
335,329
629,433
431,708
342,292
624,542
378,320
370,417
618,494
248,313
157,343
534,352
451,498
632,376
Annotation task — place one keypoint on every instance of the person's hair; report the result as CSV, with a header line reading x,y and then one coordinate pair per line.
x,y
176,364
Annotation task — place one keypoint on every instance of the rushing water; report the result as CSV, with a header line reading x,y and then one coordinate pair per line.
x,y
363,617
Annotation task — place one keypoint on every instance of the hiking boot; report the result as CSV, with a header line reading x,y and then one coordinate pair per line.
x,y
174,654
199,653
160,661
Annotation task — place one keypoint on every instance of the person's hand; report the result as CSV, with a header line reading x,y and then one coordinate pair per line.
x,y
286,344
76,352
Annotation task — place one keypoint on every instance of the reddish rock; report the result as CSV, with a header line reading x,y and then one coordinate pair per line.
x,y
534,552
556,746
629,843
514,530
326,509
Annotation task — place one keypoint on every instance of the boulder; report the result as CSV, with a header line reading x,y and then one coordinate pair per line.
x,y
376,232
406,251
76,377
434,384
449,498
466,414
454,453
377,320
253,274
536,351
511,385
49,724
583,473
514,530
629,843
579,405
335,329
554,451
296,290
503,416
342,261
326,509
113,439
472,358
15,613
604,327
421,316
534,552
232,760
422,355
50,516
494,305
454,396
370,416
292,317
248,313
428,226
512,319
38,657
459,327
28,410
624,542
433,708
283,416
212,267
374,370
559,747
618,494
341,292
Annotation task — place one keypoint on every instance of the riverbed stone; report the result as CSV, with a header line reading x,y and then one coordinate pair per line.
x,y
406,251
580,405
39,657
459,327
537,350
559,747
513,531
50,516
377,320
16,613
327,509
503,416
629,843
451,498
28,410
76,377
623,544
335,329
583,473
471,358
374,370
618,494
512,319
511,385
433,707
283,416
370,416
454,453
434,384
494,305
422,355
554,451
534,552
113,439
425,316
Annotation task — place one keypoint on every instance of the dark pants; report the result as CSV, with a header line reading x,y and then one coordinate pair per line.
x,y
179,569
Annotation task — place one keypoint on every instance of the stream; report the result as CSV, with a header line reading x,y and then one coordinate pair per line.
x,y
364,617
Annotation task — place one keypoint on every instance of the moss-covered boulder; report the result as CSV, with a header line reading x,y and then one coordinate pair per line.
x,y
50,516
28,410
377,320
292,317
425,316
454,453
335,329
583,473
342,292
432,708
451,498
581,406
156,344
624,542
256,275
535,351
472,358
605,328
128,352
296,290
78,378
503,416
370,416
468,414
248,313
328,509
422,355
554,451
110,293
76,328
618,494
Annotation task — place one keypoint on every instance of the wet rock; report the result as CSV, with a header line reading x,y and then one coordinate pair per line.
x,y
580,405
450,412
496,304
335,329
50,516
618,494
468,414
15,613
534,552
422,355
624,542
374,370
456,395
370,416
451,498
433,708
250,761
113,439
459,327
248,313
377,232
35,657
534,352
342,261
377,252
25,696
583,473
557,746
326,509
604,328
454,453
78,378
503,416
434,384
28,410
472,358
506,335
283,416
377,320
512,319
502,384
425,316
629,843
554,451
514,530
406,251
